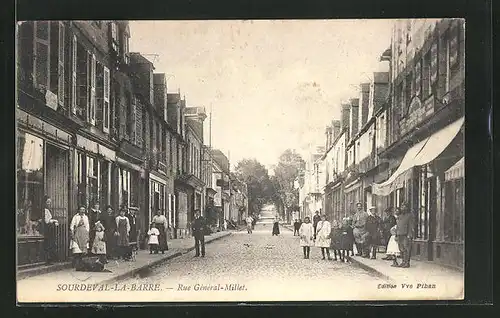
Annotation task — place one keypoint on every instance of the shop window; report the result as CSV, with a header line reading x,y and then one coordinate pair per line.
x,y
30,184
134,188
92,181
104,173
124,182
81,164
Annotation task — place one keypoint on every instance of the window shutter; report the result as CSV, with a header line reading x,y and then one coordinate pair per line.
x,y
106,111
92,90
454,35
73,75
434,62
99,86
138,124
42,54
60,88
418,78
131,119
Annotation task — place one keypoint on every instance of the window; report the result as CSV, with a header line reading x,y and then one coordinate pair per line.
x,y
454,211
30,184
74,101
124,186
42,65
92,181
81,176
102,97
426,78
434,63
408,94
114,36
106,109
104,184
418,78
127,114
125,52
57,45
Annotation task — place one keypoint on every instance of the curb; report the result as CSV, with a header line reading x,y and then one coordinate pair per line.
x,y
136,271
40,271
370,269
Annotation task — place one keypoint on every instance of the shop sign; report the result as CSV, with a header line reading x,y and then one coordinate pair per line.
x,y
51,100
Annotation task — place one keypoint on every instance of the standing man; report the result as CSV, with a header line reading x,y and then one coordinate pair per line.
x,y
249,221
359,230
316,219
198,228
373,227
404,235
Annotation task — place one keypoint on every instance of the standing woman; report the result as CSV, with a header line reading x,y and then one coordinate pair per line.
x,y
276,226
109,232
123,230
306,233
49,234
160,222
323,230
79,235
335,236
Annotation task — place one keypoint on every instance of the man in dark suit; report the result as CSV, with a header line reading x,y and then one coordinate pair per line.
x,y
373,227
198,228
404,235
316,219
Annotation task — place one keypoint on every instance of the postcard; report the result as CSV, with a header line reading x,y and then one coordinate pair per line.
x,y
240,160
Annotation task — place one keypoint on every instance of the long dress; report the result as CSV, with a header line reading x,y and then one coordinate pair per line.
x,y
335,236
392,245
323,230
306,233
123,227
161,224
49,236
346,238
109,222
276,228
80,229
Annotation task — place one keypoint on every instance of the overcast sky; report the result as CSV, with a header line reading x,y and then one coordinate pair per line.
x,y
272,85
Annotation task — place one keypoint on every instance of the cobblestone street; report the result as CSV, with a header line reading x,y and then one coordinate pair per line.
x,y
270,268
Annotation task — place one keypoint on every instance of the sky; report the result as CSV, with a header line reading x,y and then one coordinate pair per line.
x,y
270,85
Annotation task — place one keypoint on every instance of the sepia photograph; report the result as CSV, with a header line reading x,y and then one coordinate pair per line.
x,y
194,161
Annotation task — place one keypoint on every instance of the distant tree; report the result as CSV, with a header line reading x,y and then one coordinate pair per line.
x,y
256,176
285,173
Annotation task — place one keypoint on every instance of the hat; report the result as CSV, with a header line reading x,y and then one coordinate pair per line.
x,y
373,207
359,203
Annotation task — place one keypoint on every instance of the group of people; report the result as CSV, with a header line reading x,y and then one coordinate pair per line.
x,y
364,229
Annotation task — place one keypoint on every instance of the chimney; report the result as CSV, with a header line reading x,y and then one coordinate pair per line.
x,y
336,128
380,89
160,94
173,104
141,70
364,102
354,115
345,115
328,133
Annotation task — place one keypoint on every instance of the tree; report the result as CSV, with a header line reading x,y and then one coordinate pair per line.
x,y
285,173
259,187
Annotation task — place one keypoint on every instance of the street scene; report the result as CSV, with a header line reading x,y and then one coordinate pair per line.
x,y
266,160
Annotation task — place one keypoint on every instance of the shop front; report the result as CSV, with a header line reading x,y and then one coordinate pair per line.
x,y
353,193
420,180
43,170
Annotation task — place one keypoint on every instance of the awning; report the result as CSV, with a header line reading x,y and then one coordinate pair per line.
x,y
457,171
420,154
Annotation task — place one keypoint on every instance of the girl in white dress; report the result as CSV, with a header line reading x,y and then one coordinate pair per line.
x,y
323,230
306,233
99,245
153,242
393,247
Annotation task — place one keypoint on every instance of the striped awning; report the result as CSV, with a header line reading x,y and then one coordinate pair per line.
x,y
457,171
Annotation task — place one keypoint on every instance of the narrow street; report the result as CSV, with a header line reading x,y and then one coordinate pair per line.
x,y
270,268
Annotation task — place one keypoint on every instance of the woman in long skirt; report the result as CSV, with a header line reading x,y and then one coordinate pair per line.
x,y
323,230
161,224
346,240
306,233
276,227
393,247
79,235
49,233
123,230
335,236
110,231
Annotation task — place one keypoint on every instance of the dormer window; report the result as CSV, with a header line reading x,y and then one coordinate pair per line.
x,y
114,36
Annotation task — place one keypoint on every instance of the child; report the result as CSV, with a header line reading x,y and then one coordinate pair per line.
x,y
306,233
153,242
99,244
393,248
346,240
335,235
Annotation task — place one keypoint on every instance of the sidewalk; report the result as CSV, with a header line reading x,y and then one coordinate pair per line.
x,y
422,275
117,269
